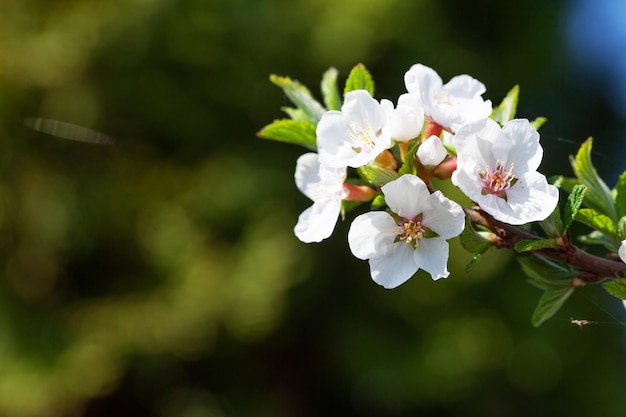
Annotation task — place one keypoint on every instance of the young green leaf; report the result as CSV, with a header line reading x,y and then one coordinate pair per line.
x,y
535,244
476,242
549,303
359,79
410,163
546,270
300,96
330,92
572,205
506,110
597,221
376,175
552,225
620,195
598,196
616,288
378,202
597,238
296,114
621,228
291,131
538,122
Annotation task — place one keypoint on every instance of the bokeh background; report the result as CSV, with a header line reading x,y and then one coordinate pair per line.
x,y
160,276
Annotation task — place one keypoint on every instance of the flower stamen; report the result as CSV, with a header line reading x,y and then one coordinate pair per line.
x,y
410,231
362,136
496,181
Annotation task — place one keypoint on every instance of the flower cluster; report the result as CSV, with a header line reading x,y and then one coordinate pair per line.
x,y
494,165
399,158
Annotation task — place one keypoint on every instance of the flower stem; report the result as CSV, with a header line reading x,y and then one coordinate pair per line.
x,y
589,268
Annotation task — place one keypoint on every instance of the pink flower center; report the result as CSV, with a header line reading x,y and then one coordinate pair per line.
x,y
497,180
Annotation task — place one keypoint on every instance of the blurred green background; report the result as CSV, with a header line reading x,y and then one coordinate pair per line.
x,y
161,277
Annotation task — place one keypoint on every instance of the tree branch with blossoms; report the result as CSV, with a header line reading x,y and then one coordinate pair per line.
x,y
387,155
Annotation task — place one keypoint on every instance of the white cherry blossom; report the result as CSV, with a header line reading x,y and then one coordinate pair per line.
x,y
497,168
323,185
414,236
407,119
354,136
431,152
451,105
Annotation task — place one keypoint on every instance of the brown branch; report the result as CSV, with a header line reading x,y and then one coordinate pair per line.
x,y
589,268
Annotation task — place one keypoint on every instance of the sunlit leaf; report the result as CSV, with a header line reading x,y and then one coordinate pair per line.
x,y
330,92
410,163
359,79
291,131
538,122
506,110
597,221
572,205
300,96
529,245
376,175
616,288
378,202
620,195
549,303
598,196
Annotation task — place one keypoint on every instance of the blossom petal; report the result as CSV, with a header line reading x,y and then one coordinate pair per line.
x,y
371,234
432,256
420,78
406,196
622,251
318,221
431,151
446,218
307,173
355,135
525,151
465,86
395,268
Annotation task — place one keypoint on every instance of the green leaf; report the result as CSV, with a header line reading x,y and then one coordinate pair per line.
x,y
599,196
621,228
330,92
616,288
620,195
535,244
291,131
474,241
572,205
378,202
597,221
296,114
546,270
538,122
300,96
410,162
597,238
376,175
552,225
506,110
359,79
565,183
549,303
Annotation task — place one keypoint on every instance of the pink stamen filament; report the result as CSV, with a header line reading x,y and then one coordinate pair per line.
x,y
498,180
